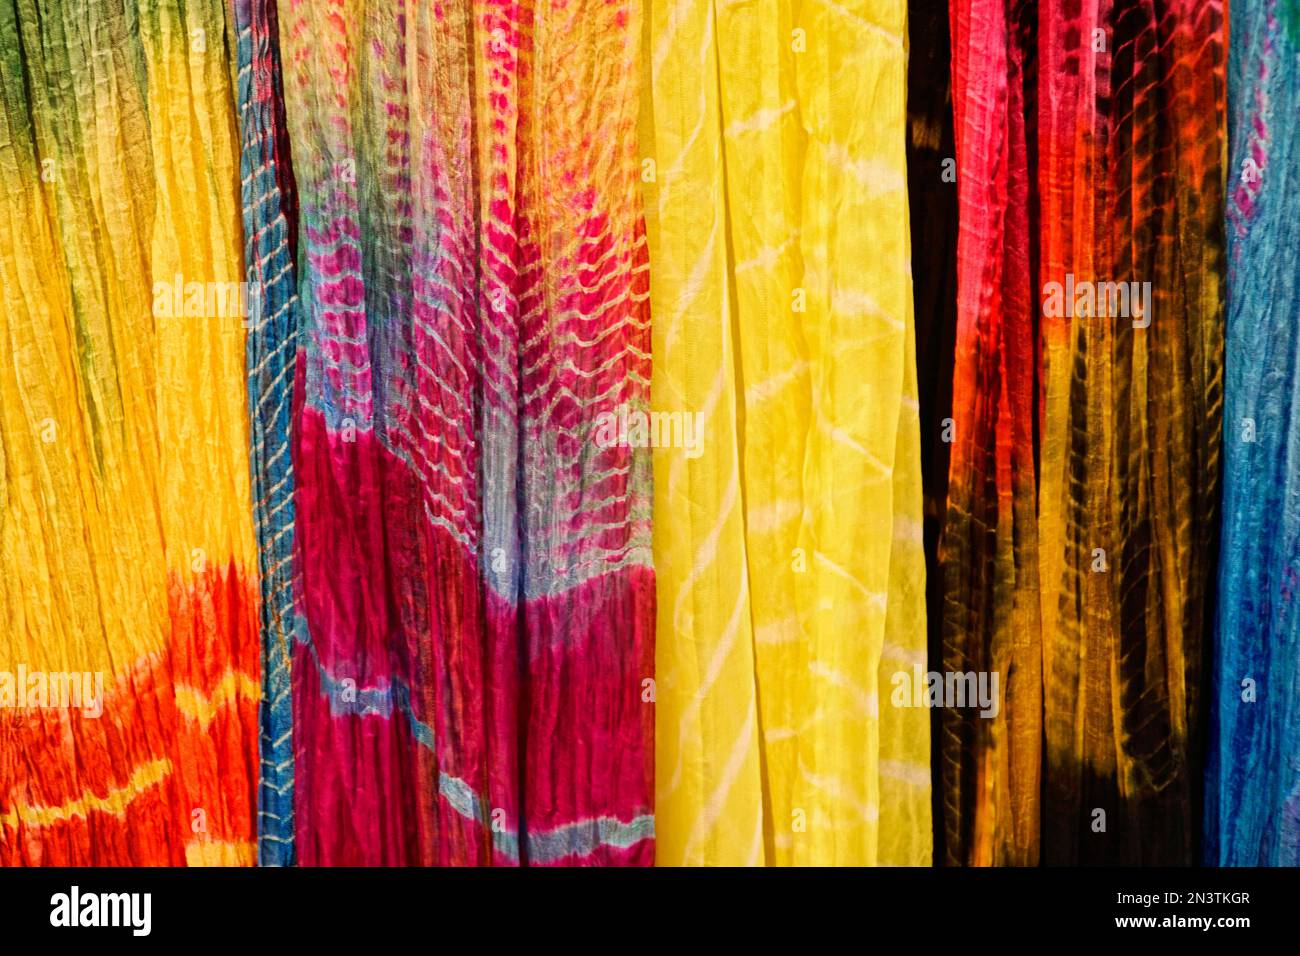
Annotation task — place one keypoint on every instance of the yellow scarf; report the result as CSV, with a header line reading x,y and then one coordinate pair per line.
x,y
789,551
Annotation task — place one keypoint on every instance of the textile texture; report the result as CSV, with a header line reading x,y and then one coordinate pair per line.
x,y
779,253
127,554
475,606
1253,783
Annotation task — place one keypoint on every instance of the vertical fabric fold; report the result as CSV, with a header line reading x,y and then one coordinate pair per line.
x,y
932,211
269,214
990,760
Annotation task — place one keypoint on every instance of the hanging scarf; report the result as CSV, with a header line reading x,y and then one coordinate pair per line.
x,y
1088,372
1253,781
472,664
789,547
127,561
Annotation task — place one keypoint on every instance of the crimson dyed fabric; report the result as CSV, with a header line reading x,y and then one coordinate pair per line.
x,y
474,599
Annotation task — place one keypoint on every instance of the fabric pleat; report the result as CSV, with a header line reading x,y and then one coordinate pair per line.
x,y
789,545
472,669
991,764
270,217
1253,780
126,539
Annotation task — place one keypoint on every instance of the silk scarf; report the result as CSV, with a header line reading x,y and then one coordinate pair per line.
x,y
788,544
472,673
128,574
1253,783
1080,533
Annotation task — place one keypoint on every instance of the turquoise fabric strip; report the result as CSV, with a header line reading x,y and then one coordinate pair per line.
x,y
1253,771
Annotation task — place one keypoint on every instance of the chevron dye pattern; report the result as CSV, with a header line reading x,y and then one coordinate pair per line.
x,y
1130,153
789,553
1253,787
126,538
475,611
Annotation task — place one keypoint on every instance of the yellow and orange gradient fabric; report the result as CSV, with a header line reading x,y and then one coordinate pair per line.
x,y
127,557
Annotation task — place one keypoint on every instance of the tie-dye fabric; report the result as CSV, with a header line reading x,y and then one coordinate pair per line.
x,y
472,667
1131,161
1087,382
269,253
126,539
328,422
788,545
1253,786
990,759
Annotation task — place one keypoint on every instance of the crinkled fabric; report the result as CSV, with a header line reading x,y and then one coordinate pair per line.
x,y
788,545
126,540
